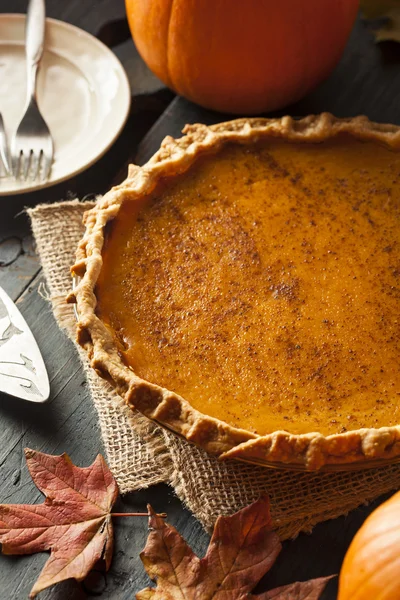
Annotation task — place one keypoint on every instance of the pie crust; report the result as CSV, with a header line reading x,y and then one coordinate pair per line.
x,y
309,450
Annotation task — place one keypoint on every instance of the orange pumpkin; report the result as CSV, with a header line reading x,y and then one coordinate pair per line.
x,y
371,568
241,56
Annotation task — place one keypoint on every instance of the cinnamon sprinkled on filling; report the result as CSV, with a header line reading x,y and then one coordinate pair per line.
x,y
264,286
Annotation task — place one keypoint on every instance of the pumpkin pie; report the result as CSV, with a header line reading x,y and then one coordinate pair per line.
x,y
243,289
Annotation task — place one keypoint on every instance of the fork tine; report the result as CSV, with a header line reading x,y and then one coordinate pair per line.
x,y
35,164
25,163
32,132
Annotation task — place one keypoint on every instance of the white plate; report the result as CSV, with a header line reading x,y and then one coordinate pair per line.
x,y
83,93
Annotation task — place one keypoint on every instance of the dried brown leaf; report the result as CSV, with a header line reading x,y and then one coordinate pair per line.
x,y
74,522
242,549
301,590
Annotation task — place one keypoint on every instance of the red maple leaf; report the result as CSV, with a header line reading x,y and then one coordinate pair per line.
x,y
242,549
74,522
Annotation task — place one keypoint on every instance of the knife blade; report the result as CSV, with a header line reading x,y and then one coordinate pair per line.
x,y
23,373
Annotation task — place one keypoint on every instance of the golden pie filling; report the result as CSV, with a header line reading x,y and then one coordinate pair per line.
x,y
263,285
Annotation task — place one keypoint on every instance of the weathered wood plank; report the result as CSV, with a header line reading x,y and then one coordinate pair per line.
x,y
18,262
81,14
364,82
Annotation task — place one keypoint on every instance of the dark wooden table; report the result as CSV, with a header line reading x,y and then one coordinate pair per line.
x,y
366,81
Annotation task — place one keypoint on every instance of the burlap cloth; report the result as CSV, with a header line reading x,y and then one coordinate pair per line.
x,y
141,454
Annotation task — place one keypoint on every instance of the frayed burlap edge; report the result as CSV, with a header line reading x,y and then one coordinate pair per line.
x,y
141,454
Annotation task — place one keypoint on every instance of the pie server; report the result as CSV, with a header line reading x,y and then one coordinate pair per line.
x,y
22,370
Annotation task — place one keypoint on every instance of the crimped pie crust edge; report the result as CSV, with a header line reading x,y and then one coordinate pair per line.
x,y
312,450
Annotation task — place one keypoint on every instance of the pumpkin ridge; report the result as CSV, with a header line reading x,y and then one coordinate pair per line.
x,y
169,77
387,589
368,580
247,59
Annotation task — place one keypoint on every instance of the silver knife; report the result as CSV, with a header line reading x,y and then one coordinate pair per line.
x,y
22,370
4,147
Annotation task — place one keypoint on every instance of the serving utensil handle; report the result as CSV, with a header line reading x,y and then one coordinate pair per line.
x,y
35,32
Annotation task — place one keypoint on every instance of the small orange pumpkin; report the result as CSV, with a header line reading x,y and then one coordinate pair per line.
x,y
241,56
371,568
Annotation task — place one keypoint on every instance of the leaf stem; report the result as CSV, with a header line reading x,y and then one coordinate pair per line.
x,y
137,514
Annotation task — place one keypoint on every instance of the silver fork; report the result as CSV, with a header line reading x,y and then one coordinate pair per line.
x,y
32,146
